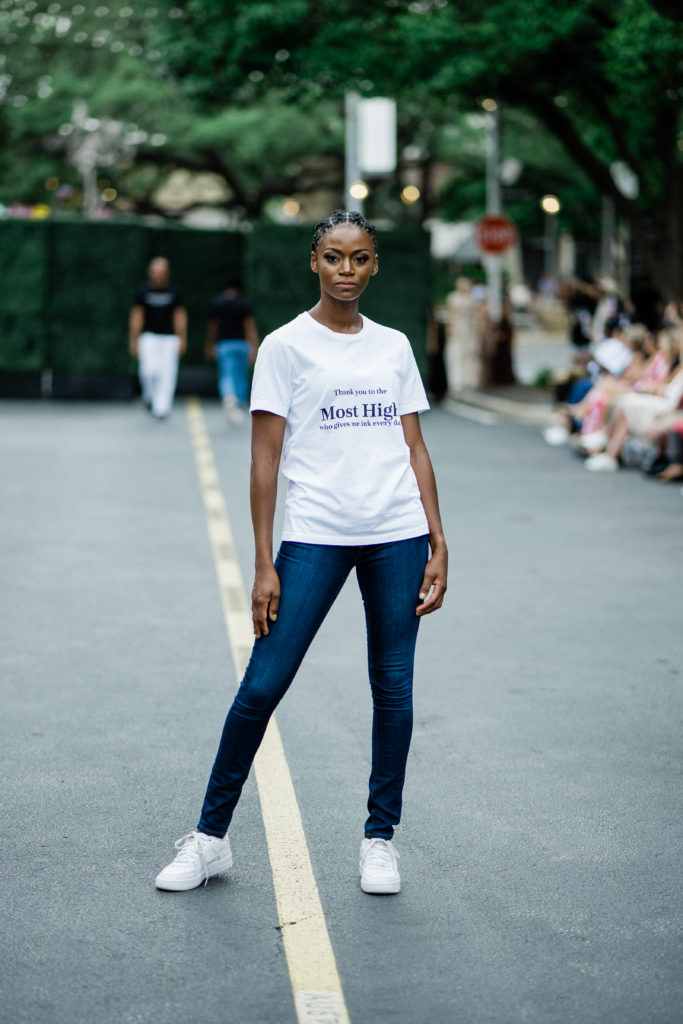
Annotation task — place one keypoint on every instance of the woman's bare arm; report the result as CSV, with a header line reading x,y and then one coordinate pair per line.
x,y
435,578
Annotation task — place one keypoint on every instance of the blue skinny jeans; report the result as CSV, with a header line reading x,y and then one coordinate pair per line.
x,y
232,357
311,576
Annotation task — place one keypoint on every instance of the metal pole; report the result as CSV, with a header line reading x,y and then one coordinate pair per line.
x,y
494,270
550,260
352,170
607,238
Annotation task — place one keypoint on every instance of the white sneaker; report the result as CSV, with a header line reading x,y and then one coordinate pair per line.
x,y
556,435
232,411
594,442
199,858
602,463
379,866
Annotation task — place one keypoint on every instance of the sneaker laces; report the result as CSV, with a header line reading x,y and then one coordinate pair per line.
x,y
383,854
190,846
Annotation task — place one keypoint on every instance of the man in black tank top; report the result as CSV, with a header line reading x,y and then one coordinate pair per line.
x,y
158,337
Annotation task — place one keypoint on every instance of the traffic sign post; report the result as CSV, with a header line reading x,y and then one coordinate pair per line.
x,y
495,234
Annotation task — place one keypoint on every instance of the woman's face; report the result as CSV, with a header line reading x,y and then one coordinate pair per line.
x,y
344,260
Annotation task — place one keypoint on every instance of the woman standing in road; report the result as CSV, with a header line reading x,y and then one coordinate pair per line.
x,y
338,397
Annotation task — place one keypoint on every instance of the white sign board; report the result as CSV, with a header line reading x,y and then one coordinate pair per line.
x,y
377,136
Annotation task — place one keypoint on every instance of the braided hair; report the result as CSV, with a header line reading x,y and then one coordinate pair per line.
x,y
344,217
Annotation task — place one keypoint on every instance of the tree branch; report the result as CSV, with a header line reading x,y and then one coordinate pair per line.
x,y
598,171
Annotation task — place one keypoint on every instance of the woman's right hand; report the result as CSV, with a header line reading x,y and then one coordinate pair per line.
x,y
265,599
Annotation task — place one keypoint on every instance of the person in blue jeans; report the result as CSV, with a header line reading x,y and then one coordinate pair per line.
x,y
336,398
233,342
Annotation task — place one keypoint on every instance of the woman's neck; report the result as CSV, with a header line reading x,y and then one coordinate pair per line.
x,y
341,317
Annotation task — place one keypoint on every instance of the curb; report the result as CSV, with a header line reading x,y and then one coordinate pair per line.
x,y
495,408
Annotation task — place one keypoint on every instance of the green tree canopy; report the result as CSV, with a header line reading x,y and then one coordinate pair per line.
x,y
252,90
603,76
108,64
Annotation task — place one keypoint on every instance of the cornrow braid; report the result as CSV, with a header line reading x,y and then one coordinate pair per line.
x,y
344,217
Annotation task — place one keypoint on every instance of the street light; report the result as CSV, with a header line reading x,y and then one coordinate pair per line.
x,y
359,190
551,204
410,194
370,144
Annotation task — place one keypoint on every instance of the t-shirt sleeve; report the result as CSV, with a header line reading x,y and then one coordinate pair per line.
x,y
140,297
271,390
413,397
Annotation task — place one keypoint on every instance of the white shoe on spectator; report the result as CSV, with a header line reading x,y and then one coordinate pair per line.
x,y
199,858
602,463
593,442
556,435
379,867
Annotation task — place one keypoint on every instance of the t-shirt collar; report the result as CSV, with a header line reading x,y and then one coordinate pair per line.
x,y
337,334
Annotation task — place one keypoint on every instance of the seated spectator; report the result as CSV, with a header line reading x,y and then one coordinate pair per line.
x,y
674,452
666,459
616,364
571,385
636,414
673,314
651,364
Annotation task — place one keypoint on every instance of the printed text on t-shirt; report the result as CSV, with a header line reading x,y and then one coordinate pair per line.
x,y
372,411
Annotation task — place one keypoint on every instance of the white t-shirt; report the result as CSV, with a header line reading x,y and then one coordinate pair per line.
x,y
345,457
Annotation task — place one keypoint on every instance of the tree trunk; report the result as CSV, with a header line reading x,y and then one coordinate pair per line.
x,y
663,255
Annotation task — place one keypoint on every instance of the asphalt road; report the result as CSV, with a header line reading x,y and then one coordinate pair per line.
x,y
541,842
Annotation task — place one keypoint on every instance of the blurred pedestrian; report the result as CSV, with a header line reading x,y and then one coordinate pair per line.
x,y
497,347
437,325
339,397
158,337
232,341
580,298
463,358
609,309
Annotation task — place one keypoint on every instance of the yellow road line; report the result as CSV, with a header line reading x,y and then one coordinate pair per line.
x,y
318,996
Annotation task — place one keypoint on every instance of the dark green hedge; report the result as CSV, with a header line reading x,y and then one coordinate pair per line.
x,y
23,295
66,288
93,268
203,262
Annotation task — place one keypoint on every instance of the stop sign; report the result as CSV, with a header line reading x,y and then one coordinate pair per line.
x,y
495,234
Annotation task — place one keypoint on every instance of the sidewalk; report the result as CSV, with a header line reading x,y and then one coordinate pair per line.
x,y
534,351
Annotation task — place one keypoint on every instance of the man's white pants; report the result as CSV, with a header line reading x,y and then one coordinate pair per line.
x,y
158,369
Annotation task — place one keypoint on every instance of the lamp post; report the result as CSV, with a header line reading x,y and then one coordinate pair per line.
x,y
616,263
551,206
353,202
370,144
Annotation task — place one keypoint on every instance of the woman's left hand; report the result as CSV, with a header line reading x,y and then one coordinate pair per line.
x,y
434,583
